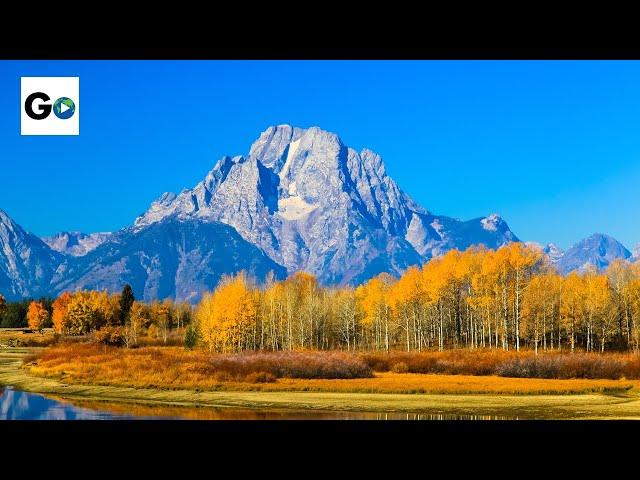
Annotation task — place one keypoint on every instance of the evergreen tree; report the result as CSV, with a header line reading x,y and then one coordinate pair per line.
x,y
3,307
126,301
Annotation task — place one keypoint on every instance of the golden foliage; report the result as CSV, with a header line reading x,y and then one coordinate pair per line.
x,y
227,316
60,309
508,299
37,316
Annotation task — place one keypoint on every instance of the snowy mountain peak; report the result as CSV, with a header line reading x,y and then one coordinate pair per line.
x,y
272,143
635,254
492,222
311,202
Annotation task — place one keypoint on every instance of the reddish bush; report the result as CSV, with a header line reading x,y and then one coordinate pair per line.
x,y
451,362
109,336
632,367
291,365
523,364
579,365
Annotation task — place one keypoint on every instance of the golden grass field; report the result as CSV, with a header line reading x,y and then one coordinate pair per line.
x,y
598,400
171,368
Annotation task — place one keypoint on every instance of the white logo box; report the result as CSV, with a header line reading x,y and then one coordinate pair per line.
x,y
54,87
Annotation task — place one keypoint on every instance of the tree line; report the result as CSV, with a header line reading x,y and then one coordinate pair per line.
x,y
113,318
509,298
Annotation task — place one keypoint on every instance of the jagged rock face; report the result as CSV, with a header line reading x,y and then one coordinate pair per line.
x,y
76,244
554,252
27,264
312,203
598,250
177,259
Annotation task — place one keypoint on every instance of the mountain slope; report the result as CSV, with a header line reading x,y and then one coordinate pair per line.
x,y
27,264
312,203
76,243
179,259
598,250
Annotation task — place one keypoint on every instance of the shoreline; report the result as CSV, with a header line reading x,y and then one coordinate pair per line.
x,y
555,406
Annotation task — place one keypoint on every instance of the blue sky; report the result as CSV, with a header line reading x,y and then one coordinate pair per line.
x,y
554,147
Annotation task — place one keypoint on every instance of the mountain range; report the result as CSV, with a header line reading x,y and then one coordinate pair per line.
x,y
597,250
299,200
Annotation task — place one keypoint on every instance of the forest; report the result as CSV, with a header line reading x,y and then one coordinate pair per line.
x,y
510,299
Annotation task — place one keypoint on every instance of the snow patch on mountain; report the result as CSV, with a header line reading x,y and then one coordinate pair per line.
x,y
294,208
291,151
491,222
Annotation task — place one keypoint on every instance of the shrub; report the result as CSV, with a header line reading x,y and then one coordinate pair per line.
x,y
109,335
190,337
579,365
400,367
523,364
451,362
291,364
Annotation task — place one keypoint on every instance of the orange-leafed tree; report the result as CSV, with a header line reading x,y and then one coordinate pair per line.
x,y
37,316
60,309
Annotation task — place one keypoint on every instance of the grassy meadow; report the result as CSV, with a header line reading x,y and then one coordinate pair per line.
x,y
99,377
608,403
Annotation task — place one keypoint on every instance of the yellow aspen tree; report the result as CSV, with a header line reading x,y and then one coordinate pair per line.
x,y
225,317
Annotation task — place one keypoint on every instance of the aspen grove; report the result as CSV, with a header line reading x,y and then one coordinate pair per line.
x,y
510,299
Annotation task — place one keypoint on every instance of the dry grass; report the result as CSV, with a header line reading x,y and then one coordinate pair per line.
x,y
523,364
390,382
173,368
19,337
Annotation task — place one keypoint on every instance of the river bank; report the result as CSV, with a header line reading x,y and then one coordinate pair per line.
x,y
623,402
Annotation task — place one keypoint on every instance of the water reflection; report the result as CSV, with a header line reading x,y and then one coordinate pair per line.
x,y
17,405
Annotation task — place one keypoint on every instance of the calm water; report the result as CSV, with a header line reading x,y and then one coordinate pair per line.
x,y
17,405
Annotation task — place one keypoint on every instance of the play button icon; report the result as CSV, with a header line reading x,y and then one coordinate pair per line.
x,y
64,108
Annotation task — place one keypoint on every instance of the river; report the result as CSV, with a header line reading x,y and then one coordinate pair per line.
x,y
18,405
